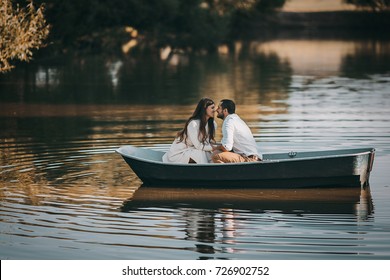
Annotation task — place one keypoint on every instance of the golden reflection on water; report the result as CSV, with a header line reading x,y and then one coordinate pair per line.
x,y
314,57
318,57
33,174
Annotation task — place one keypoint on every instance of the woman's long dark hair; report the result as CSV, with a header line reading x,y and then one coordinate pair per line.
x,y
200,114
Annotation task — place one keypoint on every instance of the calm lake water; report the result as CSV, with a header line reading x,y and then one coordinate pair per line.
x,y
66,194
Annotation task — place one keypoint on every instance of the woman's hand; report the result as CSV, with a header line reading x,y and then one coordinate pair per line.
x,y
216,146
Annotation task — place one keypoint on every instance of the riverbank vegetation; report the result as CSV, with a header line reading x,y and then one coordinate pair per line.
x,y
97,25
21,31
198,26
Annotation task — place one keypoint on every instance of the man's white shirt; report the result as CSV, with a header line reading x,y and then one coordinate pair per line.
x,y
237,136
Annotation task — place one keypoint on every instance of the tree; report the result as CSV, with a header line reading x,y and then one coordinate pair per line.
x,y
21,31
374,5
98,25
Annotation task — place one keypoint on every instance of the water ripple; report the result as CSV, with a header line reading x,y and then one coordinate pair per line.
x,y
68,191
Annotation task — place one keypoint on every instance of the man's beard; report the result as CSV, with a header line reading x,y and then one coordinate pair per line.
x,y
220,116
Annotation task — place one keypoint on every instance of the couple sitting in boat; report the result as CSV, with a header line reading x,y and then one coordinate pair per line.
x,y
195,143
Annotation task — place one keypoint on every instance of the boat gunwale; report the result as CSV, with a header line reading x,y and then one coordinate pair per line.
x,y
266,161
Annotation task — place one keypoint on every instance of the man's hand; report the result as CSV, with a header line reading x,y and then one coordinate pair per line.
x,y
218,147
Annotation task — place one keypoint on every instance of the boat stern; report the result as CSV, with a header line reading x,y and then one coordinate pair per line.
x,y
366,168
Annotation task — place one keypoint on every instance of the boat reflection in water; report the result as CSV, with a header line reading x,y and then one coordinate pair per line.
x,y
364,207
314,200
223,216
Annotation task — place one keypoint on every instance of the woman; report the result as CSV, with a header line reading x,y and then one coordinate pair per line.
x,y
193,143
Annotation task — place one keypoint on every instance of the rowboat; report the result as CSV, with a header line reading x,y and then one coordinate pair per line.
x,y
297,169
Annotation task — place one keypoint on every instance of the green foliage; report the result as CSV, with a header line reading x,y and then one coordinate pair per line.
x,y
374,5
21,31
195,26
191,24
269,5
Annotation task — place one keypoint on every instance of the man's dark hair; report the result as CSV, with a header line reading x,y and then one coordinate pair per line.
x,y
229,105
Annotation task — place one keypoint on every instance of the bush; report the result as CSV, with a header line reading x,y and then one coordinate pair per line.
x,y
21,31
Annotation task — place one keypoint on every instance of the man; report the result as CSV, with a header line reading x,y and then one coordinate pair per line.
x,y
238,144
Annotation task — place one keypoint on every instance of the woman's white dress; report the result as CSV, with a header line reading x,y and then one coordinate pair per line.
x,y
181,152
